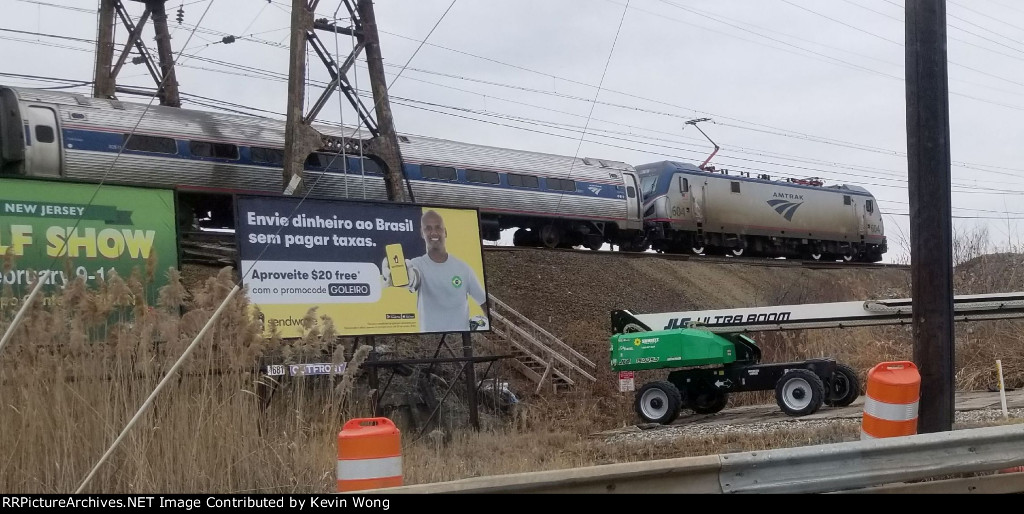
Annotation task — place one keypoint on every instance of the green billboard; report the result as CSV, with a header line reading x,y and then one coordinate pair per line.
x,y
59,231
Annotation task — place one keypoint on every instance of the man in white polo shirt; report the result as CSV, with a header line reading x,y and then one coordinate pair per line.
x,y
443,283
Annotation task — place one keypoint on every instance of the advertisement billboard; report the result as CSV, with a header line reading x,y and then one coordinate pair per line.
x,y
373,268
63,230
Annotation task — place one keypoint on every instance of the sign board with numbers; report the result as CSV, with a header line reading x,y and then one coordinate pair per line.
x,y
626,381
297,370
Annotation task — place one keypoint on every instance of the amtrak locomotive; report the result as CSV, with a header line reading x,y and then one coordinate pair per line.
x,y
688,209
551,200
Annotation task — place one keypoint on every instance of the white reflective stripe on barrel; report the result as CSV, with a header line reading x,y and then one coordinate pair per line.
x,y
360,469
890,411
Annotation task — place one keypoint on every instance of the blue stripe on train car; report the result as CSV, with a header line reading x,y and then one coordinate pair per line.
x,y
102,141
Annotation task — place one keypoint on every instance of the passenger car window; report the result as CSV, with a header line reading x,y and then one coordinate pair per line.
x,y
483,177
44,134
368,166
439,172
214,150
517,180
559,184
140,143
267,155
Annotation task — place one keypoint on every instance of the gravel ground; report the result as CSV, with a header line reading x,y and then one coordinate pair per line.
x,y
663,433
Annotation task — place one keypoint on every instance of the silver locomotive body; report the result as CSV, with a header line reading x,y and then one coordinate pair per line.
x,y
691,210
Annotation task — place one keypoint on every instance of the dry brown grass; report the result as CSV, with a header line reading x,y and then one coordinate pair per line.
x,y
75,374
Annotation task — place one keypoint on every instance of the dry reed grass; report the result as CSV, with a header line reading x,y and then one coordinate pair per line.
x,y
74,374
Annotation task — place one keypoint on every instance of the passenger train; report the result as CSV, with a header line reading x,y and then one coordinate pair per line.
x,y
551,200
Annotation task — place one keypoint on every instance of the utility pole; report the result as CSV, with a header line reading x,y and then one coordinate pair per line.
x,y
106,70
300,136
931,260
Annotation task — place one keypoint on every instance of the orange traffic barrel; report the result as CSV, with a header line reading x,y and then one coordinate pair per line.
x,y
369,455
891,400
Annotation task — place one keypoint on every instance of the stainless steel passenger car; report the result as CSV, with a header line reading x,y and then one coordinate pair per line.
x,y
553,200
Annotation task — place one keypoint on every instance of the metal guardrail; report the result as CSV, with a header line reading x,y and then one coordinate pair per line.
x,y
883,465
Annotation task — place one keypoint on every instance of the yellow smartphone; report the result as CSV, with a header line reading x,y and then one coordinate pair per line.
x,y
396,263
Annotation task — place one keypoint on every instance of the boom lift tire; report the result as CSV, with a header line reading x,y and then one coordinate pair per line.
x,y
799,392
845,387
706,399
658,402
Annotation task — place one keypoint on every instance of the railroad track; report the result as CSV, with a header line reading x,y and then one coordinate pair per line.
x,y
219,248
745,261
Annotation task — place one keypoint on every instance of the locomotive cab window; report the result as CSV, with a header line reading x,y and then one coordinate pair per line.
x,y
559,184
869,206
213,150
684,185
847,200
44,134
529,181
439,173
648,184
735,187
482,177
140,143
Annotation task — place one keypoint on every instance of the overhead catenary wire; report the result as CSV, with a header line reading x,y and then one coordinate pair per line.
x,y
554,125
417,104
744,126
982,170
593,104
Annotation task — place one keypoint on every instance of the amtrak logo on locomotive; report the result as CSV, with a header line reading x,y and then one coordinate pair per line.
x,y
786,209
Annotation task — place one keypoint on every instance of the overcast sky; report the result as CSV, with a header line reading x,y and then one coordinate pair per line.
x,y
794,88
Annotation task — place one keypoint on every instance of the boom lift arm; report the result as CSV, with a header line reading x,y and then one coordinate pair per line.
x,y
817,315
708,357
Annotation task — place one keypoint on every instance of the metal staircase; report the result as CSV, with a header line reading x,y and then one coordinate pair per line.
x,y
538,355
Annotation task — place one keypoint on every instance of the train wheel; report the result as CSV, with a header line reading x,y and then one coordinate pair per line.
x,y
847,257
523,237
736,252
816,256
550,236
594,243
697,250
